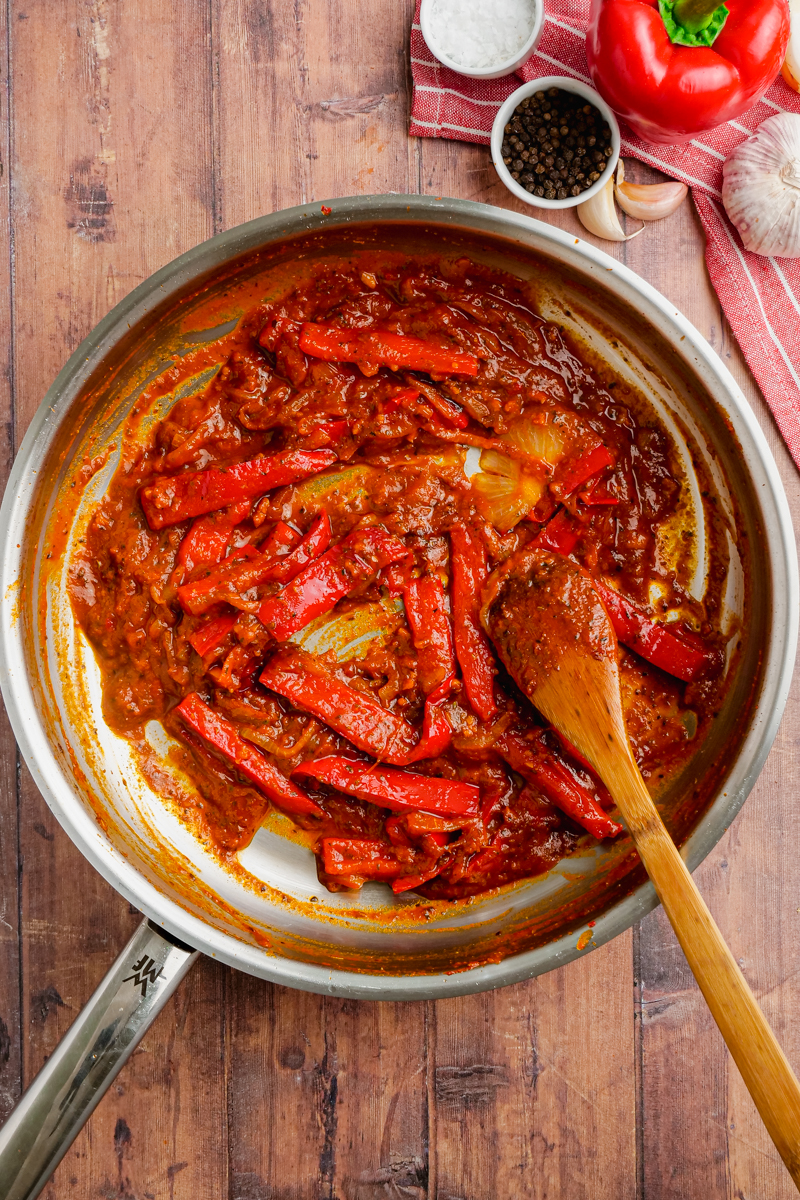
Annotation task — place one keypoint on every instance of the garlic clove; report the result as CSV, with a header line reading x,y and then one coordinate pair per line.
x,y
648,201
599,216
791,67
651,201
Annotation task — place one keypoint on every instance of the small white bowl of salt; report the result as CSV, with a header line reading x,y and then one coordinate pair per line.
x,y
482,38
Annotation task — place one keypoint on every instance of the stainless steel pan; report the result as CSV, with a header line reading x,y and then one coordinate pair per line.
x,y
270,918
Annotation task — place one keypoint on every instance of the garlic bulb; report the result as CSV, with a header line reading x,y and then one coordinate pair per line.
x,y
791,67
761,187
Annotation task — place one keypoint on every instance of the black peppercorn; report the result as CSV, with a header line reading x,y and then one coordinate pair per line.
x,y
556,144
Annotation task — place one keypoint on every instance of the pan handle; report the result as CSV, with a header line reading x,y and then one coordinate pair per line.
x,y
63,1095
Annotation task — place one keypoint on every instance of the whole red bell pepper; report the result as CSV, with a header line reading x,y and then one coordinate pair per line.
x,y
675,68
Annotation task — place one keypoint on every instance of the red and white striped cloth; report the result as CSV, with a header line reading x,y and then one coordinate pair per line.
x,y
760,296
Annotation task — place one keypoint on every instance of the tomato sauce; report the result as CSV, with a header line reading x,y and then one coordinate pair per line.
x,y
287,572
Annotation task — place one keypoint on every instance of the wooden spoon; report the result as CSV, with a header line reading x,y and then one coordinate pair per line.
x,y
553,634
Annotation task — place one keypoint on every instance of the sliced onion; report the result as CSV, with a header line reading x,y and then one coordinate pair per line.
x,y
504,491
542,442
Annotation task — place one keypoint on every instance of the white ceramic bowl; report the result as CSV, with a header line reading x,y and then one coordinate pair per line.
x,y
496,72
504,116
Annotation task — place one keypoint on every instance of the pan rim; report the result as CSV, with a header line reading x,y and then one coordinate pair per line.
x,y
32,736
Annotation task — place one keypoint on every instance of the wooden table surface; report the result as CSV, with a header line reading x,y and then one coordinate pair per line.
x,y
130,132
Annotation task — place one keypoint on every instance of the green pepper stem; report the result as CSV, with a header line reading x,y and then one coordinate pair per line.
x,y
694,15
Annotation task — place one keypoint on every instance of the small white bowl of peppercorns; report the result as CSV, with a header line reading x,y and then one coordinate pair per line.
x,y
555,142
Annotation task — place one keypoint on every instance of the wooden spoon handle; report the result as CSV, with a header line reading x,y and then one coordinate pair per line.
x,y
753,1046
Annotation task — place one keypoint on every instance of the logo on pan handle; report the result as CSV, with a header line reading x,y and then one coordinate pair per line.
x,y
145,971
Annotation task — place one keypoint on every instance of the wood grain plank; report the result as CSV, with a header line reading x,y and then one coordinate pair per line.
x,y
112,178
534,1086
10,1031
311,102
112,164
327,1096
161,1130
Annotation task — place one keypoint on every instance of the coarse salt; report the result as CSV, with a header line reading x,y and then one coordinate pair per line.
x,y
481,35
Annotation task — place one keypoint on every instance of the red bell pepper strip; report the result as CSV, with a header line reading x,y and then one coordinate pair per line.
x,y
447,409
573,751
668,91
436,731
360,858
559,534
432,631
212,635
233,577
434,842
333,431
176,498
475,657
352,714
402,397
535,763
636,630
322,584
207,540
406,883
385,349
315,542
483,861
400,791
222,735
421,824
280,541
356,716
597,497
275,329
394,578
570,477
